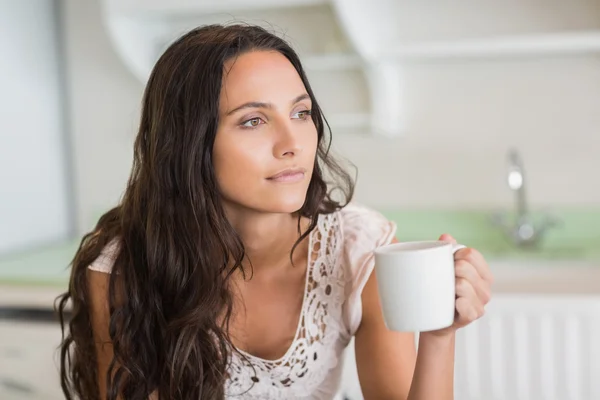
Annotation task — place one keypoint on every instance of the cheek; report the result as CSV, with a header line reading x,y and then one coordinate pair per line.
x,y
311,145
236,164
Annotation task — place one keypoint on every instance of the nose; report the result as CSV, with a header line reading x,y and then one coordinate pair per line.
x,y
287,143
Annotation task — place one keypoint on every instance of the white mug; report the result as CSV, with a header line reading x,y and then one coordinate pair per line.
x,y
416,282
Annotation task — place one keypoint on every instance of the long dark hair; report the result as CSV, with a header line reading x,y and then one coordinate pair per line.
x,y
176,248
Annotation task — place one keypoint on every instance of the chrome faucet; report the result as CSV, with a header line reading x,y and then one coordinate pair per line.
x,y
523,230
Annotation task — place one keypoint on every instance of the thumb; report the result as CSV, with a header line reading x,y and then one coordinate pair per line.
x,y
447,238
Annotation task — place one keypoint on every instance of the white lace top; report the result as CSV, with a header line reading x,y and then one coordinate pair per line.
x,y
340,262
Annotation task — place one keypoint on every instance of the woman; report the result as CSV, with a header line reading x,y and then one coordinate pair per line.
x,y
229,269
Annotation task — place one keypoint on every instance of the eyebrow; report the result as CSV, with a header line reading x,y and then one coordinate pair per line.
x,y
258,104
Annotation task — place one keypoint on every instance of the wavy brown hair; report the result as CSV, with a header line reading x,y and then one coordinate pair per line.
x,y
177,249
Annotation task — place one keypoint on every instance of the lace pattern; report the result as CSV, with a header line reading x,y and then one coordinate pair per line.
x,y
317,346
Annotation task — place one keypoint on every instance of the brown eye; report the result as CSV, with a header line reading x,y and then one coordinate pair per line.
x,y
252,123
302,114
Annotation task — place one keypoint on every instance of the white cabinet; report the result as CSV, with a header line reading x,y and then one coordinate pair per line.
x,y
28,361
28,350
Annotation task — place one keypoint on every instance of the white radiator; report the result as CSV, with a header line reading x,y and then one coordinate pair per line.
x,y
526,347
531,348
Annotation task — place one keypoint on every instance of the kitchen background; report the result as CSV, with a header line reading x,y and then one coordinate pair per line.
x,y
442,106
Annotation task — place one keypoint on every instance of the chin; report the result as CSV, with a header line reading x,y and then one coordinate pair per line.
x,y
287,201
287,205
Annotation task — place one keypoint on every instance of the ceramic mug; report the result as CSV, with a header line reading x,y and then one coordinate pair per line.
x,y
416,282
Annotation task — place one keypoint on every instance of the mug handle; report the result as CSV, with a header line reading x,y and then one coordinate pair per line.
x,y
457,247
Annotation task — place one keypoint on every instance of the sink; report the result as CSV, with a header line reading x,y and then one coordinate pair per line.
x,y
575,240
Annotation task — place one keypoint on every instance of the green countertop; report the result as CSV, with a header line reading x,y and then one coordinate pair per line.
x,y
576,239
45,266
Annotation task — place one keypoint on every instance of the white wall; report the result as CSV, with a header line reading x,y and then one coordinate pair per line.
x,y
33,181
104,100
463,117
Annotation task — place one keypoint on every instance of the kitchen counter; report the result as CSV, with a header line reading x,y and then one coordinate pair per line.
x,y
569,253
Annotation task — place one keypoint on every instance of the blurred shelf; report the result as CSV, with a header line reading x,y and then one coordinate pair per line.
x,y
375,45
190,7
501,46
534,45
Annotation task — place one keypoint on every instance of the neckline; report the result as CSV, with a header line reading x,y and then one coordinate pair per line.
x,y
309,267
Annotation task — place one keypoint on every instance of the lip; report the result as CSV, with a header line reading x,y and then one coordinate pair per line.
x,y
288,175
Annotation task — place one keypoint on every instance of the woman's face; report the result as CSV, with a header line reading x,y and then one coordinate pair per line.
x,y
266,142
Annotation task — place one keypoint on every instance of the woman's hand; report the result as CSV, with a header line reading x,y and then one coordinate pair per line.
x,y
473,287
